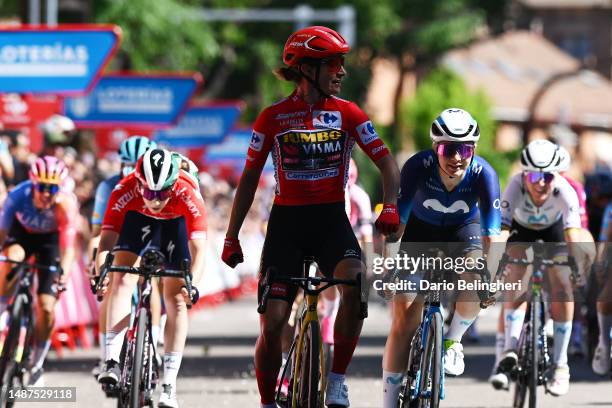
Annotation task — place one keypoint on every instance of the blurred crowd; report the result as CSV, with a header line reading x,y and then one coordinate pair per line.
x,y
87,169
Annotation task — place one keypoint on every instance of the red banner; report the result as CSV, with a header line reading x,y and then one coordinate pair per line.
x,y
26,113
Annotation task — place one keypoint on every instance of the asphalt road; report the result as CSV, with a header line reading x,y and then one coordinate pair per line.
x,y
217,368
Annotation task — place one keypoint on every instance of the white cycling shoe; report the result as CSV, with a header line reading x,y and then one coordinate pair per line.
x,y
559,383
601,361
453,360
336,394
168,397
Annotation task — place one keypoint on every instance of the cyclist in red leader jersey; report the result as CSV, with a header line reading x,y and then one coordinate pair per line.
x,y
311,134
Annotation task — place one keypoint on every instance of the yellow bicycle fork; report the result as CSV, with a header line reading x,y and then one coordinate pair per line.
x,y
309,316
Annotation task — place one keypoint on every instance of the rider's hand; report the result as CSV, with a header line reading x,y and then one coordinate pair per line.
x,y
195,295
232,252
63,280
388,220
104,286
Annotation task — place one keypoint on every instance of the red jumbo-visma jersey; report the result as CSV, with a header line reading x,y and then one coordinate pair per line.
x,y
311,147
186,201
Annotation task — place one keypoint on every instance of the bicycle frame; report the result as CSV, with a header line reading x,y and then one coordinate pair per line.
x,y
311,284
22,289
17,323
428,313
535,323
309,315
431,308
152,262
144,306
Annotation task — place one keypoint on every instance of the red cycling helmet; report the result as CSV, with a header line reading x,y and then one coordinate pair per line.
x,y
315,42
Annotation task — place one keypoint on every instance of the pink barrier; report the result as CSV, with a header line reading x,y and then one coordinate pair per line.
x,y
77,305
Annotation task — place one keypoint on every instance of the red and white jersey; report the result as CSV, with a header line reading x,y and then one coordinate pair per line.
x,y
186,201
311,147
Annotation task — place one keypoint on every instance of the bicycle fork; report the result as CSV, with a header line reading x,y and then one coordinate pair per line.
x,y
424,339
310,315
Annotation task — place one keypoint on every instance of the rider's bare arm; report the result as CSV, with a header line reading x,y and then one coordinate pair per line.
x,y
391,178
66,210
197,249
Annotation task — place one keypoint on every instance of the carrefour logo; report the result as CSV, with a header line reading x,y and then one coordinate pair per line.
x,y
20,60
328,119
366,132
257,141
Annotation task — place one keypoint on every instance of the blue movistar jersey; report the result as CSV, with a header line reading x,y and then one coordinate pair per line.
x,y
423,194
19,205
103,192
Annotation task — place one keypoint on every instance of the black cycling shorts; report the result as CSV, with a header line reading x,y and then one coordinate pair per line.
x,y
45,249
140,232
553,237
468,235
322,231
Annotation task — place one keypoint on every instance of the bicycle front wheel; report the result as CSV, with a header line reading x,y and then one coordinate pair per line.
x,y
9,366
536,310
431,365
520,389
137,391
309,370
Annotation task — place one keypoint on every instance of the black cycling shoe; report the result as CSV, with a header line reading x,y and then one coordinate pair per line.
x,y
110,374
508,362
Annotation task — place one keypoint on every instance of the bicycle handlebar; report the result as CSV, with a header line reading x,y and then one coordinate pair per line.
x,y
144,270
539,260
50,268
30,266
304,283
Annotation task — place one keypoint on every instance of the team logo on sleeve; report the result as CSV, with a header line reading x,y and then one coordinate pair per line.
x,y
366,132
327,119
257,141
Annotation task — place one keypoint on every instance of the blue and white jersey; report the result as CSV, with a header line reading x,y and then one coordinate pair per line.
x,y
103,192
562,203
423,194
19,205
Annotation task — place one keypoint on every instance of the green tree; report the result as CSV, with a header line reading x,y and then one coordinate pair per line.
x,y
443,89
159,35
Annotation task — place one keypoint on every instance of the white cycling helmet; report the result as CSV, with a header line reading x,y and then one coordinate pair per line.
x,y
541,155
566,160
57,128
455,125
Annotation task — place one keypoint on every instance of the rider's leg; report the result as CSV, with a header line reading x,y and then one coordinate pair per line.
x,y
406,316
119,305
514,312
562,311
103,314
601,360
347,327
14,252
268,348
330,300
466,308
176,329
500,336
156,309
45,320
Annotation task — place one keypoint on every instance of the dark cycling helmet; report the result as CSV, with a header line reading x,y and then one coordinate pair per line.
x,y
316,42
598,184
